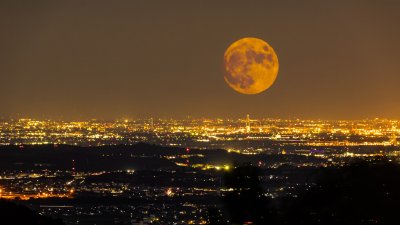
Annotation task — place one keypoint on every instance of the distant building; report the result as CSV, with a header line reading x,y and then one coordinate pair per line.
x,y
152,124
393,140
248,128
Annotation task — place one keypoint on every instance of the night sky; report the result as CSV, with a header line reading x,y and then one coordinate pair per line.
x,y
137,59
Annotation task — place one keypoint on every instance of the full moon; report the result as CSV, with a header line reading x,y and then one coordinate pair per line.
x,y
251,65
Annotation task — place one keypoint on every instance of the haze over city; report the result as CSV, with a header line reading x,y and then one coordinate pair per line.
x,y
79,60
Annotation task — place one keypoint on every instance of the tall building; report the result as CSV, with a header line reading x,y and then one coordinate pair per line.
x,y
248,128
151,124
393,140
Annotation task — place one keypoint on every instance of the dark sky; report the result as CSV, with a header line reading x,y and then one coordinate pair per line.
x,y
116,59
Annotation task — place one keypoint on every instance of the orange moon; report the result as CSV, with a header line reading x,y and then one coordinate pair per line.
x,y
251,65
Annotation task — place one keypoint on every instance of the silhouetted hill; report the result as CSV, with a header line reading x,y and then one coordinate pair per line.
x,y
246,202
364,193
140,156
13,214
358,194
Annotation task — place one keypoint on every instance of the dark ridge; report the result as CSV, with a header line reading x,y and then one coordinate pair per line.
x,y
11,213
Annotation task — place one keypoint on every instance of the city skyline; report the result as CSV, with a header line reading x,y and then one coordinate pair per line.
x,y
77,61
201,133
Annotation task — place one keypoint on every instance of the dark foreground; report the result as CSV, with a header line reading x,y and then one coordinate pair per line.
x,y
158,185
